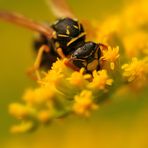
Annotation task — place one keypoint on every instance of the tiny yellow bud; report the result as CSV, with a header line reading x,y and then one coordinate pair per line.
x,y
84,103
39,95
44,116
23,127
18,110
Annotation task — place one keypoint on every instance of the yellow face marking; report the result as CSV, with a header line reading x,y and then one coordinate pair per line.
x,y
54,35
93,65
67,30
74,39
63,35
75,19
56,22
79,25
75,27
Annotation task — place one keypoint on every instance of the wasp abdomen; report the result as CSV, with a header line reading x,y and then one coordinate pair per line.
x,y
47,58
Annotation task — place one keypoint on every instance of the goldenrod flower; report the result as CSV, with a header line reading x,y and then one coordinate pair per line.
x,y
39,95
137,69
61,90
60,67
110,56
52,77
84,103
100,80
79,79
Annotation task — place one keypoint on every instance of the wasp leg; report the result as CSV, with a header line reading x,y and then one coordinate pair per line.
x,y
67,62
60,53
36,66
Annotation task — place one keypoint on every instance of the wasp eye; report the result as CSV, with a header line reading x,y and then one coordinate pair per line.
x,y
77,53
85,51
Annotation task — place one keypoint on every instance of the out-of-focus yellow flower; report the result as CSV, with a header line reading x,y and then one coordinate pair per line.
x,y
109,27
39,95
135,14
136,43
44,116
100,80
137,69
20,111
23,127
84,103
79,79
110,56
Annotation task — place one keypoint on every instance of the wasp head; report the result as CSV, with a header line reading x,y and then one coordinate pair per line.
x,y
87,56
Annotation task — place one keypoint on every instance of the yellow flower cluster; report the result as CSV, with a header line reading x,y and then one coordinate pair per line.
x,y
137,69
127,29
110,56
100,80
62,91
136,72
79,79
84,102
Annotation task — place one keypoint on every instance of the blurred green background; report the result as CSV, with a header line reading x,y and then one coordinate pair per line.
x,y
120,123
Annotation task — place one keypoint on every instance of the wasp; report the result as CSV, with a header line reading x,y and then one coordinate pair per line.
x,y
65,38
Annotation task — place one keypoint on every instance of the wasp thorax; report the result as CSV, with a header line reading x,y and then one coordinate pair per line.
x,y
69,34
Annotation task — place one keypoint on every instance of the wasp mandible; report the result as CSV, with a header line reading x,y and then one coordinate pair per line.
x,y
65,38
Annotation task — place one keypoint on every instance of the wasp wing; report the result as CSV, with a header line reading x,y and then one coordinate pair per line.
x,y
19,19
60,8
